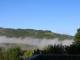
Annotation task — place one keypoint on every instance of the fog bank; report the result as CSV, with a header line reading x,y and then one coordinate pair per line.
x,y
34,42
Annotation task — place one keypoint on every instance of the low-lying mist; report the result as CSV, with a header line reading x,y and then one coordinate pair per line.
x,y
31,43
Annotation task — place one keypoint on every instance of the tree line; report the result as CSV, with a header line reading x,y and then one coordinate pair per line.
x,y
9,32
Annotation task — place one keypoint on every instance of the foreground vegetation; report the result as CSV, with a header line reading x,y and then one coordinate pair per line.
x,y
15,53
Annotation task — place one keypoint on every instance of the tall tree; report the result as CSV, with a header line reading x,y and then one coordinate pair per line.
x,y
77,37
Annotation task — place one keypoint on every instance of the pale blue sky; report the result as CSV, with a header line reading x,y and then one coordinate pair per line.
x,y
61,16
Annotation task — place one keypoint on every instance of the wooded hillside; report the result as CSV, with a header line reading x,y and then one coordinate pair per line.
x,y
9,32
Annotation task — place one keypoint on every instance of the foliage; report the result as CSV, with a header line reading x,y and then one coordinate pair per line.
x,y
72,49
11,53
9,32
14,52
77,37
28,54
56,49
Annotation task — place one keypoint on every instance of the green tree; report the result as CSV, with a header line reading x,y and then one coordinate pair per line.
x,y
56,49
48,49
0,52
28,54
12,53
77,37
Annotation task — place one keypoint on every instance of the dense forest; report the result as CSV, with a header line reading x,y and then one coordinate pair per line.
x,y
14,53
10,32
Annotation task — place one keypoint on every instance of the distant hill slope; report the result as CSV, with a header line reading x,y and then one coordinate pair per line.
x,y
9,32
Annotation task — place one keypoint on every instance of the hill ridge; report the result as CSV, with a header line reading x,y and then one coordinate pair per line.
x,y
11,32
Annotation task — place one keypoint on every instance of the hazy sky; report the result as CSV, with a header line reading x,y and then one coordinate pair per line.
x,y
62,16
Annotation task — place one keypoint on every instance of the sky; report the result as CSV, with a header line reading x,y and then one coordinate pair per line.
x,y
60,16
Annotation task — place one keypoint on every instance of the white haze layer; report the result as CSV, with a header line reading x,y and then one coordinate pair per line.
x,y
34,41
